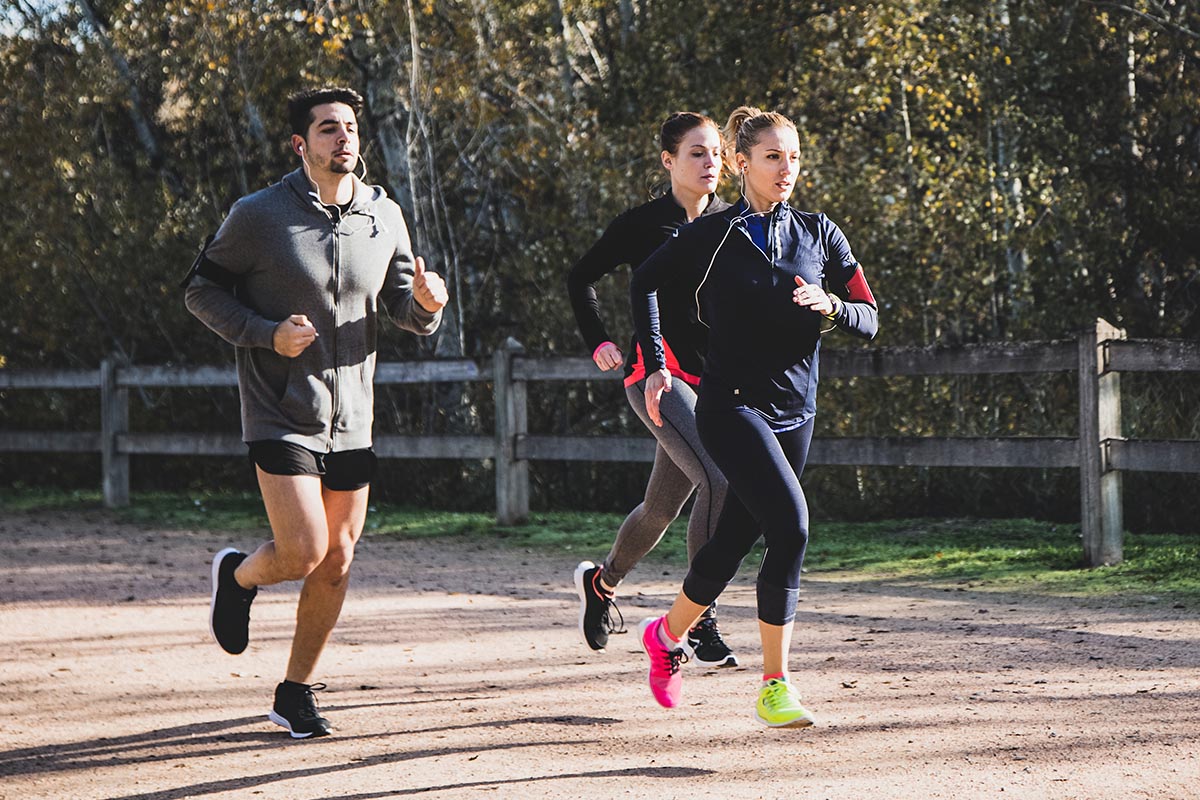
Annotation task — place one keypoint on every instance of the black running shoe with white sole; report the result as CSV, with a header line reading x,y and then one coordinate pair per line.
x,y
708,647
296,709
596,607
229,612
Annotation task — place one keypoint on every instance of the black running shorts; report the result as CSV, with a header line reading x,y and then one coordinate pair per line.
x,y
346,471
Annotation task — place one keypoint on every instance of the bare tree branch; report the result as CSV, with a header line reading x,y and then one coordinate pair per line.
x,y
1163,22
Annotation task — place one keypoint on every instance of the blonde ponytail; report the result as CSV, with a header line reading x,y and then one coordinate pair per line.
x,y
731,133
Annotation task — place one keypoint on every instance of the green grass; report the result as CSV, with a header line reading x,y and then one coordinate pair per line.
x,y
1016,554
1010,555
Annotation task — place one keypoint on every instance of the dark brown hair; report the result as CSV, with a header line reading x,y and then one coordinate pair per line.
x,y
678,125
301,104
670,137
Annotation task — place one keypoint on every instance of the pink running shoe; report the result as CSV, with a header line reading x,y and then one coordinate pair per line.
x,y
666,684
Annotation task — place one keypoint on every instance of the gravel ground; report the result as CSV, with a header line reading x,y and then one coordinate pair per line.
x,y
457,671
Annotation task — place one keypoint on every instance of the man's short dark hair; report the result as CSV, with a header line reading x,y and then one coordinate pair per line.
x,y
301,104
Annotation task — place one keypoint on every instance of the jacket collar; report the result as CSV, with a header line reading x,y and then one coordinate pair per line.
x,y
303,189
742,208
715,204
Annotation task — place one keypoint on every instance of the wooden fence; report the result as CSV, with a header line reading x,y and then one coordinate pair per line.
x,y
1099,452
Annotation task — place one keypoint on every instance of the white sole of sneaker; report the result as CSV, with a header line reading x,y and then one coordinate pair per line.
x,y
728,661
583,567
283,723
803,722
212,603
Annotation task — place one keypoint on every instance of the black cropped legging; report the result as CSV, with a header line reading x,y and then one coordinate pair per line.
x,y
763,469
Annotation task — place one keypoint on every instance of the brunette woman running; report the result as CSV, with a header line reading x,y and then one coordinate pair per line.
x,y
691,154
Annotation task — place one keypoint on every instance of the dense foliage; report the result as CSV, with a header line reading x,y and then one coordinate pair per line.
x,y
1004,169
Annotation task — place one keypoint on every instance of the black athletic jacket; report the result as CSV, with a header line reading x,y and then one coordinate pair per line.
x,y
630,239
762,347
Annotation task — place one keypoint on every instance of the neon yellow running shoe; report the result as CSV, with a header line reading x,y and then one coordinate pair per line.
x,y
779,706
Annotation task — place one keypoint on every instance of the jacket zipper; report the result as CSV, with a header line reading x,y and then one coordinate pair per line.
x,y
337,290
772,239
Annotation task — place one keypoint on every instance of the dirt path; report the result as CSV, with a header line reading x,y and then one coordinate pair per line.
x,y
457,673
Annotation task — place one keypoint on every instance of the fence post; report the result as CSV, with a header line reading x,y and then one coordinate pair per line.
x,y
512,475
1099,421
114,421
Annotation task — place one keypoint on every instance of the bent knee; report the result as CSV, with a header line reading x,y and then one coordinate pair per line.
x,y
298,567
298,562
789,541
338,560
336,565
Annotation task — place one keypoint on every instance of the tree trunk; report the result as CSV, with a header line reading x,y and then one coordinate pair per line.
x,y
1008,183
558,16
137,113
628,21
913,193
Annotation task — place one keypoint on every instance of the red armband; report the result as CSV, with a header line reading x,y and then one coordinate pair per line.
x,y
857,289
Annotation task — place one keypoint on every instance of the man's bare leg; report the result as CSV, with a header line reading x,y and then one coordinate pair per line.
x,y
315,530
296,510
325,587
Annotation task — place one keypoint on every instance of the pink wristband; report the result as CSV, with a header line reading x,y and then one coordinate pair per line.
x,y
599,348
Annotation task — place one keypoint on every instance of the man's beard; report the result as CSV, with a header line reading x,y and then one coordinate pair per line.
x,y
342,167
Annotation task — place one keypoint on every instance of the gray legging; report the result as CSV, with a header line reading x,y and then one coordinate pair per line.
x,y
680,466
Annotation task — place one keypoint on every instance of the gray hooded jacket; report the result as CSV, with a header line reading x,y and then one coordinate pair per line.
x,y
290,255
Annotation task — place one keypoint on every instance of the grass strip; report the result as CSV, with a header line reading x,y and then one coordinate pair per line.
x,y
1000,554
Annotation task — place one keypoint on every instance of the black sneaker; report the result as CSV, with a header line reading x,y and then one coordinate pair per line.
x,y
708,647
596,607
296,709
229,613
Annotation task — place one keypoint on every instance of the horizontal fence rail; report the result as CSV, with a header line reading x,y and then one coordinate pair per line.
x,y
1150,355
1099,452
1151,456
49,379
978,359
49,442
1042,453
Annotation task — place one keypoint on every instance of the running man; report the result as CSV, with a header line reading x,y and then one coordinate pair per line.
x,y
294,279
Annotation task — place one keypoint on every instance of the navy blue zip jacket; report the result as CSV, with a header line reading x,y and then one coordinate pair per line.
x,y
762,348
